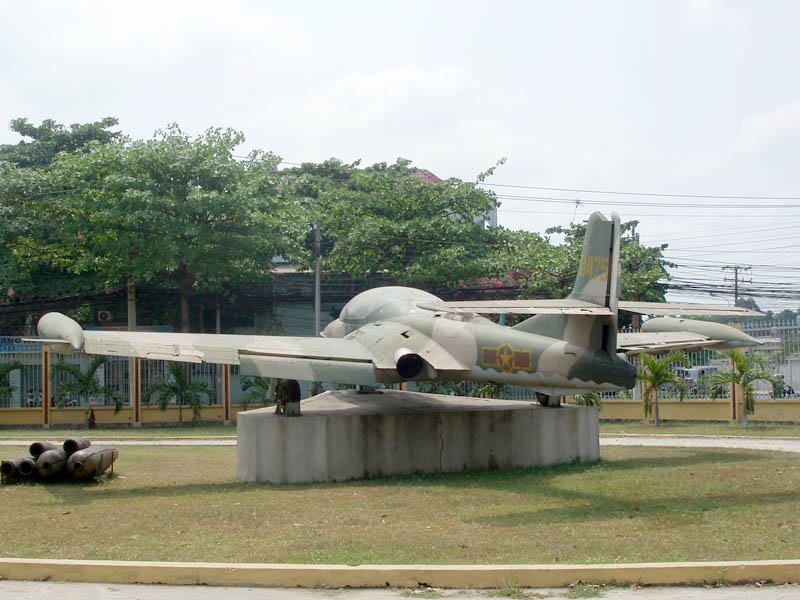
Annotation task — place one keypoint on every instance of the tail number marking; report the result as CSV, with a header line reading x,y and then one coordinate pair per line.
x,y
593,266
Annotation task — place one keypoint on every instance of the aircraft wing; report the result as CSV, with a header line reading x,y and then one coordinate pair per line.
x,y
368,356
312,359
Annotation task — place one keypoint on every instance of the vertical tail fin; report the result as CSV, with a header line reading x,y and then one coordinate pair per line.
x,y
598,282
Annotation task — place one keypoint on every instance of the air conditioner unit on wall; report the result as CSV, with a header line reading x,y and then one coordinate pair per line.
x,y
104,316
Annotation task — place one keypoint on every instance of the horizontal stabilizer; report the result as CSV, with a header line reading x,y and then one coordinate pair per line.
x,y
668,333
572,306
567,306
685,309
653,343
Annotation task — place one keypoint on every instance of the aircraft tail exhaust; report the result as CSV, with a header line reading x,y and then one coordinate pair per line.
x,y
598,282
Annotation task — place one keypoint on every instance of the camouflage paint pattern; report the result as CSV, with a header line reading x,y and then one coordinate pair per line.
x,y
394,334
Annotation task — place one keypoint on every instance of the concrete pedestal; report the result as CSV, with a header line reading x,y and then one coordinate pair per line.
x,y
346,435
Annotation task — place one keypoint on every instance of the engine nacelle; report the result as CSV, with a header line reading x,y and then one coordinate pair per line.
x,y
408,363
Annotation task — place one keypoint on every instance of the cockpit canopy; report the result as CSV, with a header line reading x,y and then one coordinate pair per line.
x,y
358,310
375,304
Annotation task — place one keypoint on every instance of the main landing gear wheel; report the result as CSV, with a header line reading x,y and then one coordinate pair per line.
x,y
547,400
287,394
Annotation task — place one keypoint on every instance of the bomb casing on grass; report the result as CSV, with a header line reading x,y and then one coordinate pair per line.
x,y
91,462
24,466
72,445
37,448
27,468
51,462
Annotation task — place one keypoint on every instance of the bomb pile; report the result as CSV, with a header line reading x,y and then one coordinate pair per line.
x,y
75,459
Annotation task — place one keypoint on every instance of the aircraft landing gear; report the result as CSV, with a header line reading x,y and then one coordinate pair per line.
x,y
547,400
287,394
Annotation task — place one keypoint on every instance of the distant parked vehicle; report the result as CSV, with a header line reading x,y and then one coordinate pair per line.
x,y
696,378
781,389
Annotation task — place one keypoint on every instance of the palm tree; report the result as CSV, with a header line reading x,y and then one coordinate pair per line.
x,y
655,372
259,389
84,387
744,371
179,387
588,399
6,389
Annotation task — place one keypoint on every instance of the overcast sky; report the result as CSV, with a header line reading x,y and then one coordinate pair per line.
x,y
695,97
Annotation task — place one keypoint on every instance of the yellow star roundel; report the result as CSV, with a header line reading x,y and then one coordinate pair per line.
x,y
506,358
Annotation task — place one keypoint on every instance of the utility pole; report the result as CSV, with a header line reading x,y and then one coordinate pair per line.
x,y
736,269
317,291
133,379
317,280
636,319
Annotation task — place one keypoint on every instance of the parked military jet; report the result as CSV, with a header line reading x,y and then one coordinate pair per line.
x,y
395,334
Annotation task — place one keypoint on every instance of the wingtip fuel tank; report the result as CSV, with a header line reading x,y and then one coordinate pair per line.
x,y
729,337
65,333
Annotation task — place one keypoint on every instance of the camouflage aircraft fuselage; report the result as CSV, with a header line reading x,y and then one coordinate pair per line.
x,y
391,326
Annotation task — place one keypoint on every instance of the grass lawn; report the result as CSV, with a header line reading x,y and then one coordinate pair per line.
x,y
637,504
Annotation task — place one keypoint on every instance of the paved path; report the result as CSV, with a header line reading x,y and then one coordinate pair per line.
x,y
704,441
36,590
661,440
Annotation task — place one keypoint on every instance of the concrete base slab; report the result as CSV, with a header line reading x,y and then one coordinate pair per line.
x,y
347,435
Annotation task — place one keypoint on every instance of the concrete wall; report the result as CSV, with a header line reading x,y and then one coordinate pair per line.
x,y
344,435
787,410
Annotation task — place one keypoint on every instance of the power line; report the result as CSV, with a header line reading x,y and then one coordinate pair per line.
x,y
550,199
625,193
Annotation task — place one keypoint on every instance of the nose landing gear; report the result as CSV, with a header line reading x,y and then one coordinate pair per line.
x,y
547,400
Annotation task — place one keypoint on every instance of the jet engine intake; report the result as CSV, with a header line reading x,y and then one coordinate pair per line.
x,y
408,363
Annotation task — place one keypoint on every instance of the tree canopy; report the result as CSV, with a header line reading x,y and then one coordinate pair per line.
x,y
86,208
180,211
387,219
49,138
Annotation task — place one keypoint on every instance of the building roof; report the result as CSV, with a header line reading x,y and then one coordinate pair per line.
x,y
425,175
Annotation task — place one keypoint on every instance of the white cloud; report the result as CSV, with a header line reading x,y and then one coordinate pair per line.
x,y
92,26
759,131
393,98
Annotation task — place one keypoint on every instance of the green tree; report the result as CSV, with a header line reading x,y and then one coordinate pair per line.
x,y
744,371
534,267
6,388
84,387
258,389
32,264
176,211
490,389
656,371
49,138
442,387
590,399
177,386
644,268
387,219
